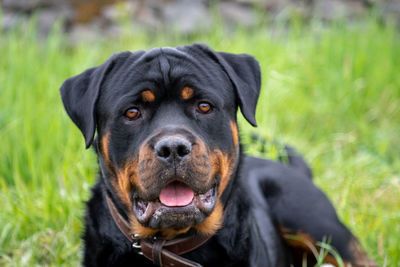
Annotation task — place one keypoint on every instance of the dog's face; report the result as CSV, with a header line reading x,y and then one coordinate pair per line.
x,y
166,131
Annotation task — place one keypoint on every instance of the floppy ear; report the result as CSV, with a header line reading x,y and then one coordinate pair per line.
x,y
244,72
80,93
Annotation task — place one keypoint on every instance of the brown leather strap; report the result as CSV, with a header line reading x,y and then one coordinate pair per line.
x,y
168,259
119,220
161,252
186,244
156,253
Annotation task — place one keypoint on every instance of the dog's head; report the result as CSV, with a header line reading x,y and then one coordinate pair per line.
x,y
167,137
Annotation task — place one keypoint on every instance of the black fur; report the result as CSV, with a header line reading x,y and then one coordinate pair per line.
x,y
262,199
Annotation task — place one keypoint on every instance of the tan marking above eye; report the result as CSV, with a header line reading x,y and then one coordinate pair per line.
x,y
148,96
187,92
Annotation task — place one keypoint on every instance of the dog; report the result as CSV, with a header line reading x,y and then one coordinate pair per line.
x,y
174,188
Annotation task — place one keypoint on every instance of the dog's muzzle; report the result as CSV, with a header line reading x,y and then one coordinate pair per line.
x,y
181,193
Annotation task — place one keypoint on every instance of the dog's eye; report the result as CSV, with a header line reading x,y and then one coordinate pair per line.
x,y
132,113
204,107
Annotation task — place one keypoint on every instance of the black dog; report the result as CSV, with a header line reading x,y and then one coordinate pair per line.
x,y
172,178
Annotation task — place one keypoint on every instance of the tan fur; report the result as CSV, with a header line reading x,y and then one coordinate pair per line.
x,y
307,243
222,164
213,222
148,96
143,232
126,178
235,134
146,155
171,233
105,152
104,147
299,240
187,93
202,165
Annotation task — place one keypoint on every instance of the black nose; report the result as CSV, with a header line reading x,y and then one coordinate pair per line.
x,y
172,148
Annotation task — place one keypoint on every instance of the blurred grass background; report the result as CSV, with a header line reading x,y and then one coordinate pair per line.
x,y
332,91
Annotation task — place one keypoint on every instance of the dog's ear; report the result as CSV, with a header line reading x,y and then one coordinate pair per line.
x,y
244,72
80,93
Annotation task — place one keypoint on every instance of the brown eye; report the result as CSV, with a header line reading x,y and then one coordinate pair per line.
x,y
204,107
132,113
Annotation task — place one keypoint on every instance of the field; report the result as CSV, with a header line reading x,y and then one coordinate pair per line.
x,y
332,91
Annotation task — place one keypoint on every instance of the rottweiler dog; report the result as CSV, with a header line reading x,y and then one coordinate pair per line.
x,y
174,188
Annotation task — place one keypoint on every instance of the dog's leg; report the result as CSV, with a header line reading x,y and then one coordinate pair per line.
x,y
303,214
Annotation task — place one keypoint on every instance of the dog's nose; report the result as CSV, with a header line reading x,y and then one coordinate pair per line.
x,y
172,148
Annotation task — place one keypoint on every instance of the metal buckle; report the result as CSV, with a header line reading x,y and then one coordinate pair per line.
x,y
136,242
136,245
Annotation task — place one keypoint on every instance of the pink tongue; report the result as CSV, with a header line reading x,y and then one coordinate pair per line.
x,y
176,194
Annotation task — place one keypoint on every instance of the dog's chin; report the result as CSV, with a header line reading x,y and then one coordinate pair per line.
x,y
161,214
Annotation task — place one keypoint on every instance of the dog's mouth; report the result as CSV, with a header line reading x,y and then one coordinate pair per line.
x,y
178,207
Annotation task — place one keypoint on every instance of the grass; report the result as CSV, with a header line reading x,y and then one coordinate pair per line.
x,y
331,91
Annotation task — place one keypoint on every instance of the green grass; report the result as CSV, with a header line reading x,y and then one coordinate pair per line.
x,y
331,91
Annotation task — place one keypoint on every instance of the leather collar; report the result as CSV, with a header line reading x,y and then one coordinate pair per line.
x,y
161,252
